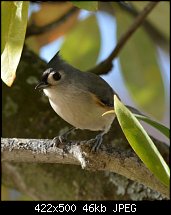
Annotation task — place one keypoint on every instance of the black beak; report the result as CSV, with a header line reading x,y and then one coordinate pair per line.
x,y
42,85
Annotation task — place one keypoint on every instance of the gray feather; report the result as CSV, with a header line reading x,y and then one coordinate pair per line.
x,y
93,83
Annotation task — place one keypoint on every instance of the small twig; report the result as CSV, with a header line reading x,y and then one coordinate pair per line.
x,y
125,163
105,66
36,30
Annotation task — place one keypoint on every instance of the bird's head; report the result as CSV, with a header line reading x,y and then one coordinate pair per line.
x,y
56,73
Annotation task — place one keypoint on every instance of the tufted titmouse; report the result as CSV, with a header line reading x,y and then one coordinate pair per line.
x,y
80,98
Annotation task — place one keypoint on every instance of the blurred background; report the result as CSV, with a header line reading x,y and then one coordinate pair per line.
x,y
140,74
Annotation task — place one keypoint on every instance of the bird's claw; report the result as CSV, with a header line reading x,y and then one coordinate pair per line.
x,y
96,142
58,140
62,139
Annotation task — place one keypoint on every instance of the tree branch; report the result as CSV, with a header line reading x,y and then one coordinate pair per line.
x,y
37,30
106,65
158,37
124,162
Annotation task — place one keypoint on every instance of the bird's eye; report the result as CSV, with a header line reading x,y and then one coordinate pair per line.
x,y
56,76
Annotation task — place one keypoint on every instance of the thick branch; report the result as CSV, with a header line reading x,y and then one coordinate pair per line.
x,y
106,65
37,30
125,162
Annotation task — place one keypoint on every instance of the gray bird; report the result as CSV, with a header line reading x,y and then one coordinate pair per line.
x,y
80,98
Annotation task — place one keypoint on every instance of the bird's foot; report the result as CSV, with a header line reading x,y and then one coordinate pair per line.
x,y
58,140
96,142
62,139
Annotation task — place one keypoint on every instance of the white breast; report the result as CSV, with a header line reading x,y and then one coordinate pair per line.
x,y
79,109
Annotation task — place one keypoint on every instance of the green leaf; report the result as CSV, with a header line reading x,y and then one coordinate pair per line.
x,y
141,142
82,44
5,22
159,17
86,5
14,20
140,68
163,129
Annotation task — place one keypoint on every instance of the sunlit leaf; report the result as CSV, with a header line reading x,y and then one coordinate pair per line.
x,y
140,68
14,21
5,22
163,129
141,142
86,5
81,46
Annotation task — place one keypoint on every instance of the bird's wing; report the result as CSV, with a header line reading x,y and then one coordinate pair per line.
x,y
100,89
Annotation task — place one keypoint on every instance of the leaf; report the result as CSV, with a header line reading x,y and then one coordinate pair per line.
x,y
14,21
141,142
82,45
163,129
86,5
140,68
159,17
5,22
48,13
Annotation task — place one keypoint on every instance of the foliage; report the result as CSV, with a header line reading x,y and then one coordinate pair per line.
x,y
141,70
141,142
163,129
89,48
14,24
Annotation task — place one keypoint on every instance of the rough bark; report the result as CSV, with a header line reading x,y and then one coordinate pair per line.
x,y
125,162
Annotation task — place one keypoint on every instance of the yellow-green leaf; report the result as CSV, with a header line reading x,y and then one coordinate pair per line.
x,y
82,44
163,129
86,5
140,68
141,142
13,20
